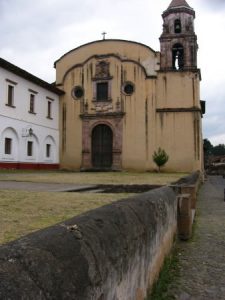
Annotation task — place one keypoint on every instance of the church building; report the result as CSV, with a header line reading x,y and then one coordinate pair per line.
x,y
122,100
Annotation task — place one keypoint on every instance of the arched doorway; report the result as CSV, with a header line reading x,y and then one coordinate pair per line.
x,y
102,142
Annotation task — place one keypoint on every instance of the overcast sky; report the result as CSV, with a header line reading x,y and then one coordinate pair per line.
x,y
36,33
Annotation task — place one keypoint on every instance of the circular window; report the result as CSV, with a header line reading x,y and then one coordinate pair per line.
x,y
128,88
78,92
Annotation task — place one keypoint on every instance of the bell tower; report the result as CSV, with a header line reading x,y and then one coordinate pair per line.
x,y
178,41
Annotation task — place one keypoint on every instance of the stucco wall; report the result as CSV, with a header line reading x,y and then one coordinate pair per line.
x,y
18,131
114,252
137,127
178,89
183,146
163,110
21,101
141,53
16,120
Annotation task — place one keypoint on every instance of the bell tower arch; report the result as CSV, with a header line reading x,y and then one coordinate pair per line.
x,y
178,41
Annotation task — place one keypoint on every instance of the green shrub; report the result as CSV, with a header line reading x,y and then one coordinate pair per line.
x,y
160,157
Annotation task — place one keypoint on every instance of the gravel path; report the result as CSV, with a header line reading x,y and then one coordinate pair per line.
x,y
202,260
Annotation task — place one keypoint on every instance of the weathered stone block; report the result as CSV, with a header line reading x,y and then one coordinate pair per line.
x,y
192,191
184,216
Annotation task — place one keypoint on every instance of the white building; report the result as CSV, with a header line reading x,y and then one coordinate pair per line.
x,y
29,120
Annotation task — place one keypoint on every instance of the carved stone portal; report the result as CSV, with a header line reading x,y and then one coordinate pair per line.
x,y
89,122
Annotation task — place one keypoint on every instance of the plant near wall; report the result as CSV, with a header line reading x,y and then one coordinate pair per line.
x,y
160,158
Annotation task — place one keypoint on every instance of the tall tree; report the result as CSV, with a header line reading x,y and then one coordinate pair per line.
x,y
208,147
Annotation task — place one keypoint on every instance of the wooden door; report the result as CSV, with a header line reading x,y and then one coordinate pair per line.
x,y
102,140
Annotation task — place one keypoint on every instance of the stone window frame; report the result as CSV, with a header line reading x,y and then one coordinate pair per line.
x,y
75,89
95,83
124,86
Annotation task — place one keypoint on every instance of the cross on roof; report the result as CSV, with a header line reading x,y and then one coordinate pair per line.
x,y
103,35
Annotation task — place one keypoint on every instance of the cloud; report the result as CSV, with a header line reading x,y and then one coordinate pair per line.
x,y
31,30
217,139
213,4
36,33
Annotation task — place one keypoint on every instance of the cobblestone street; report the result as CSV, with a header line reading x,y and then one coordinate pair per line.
x,y
202,260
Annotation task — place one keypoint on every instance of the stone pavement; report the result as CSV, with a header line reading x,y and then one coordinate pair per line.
x,y
202,260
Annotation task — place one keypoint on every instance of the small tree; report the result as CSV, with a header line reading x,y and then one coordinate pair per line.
x,y
160,157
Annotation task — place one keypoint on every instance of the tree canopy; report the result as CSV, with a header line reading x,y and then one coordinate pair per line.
x,y
217,150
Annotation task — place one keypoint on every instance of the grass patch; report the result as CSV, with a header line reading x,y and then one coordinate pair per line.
x,y
23,212
92,177
168,274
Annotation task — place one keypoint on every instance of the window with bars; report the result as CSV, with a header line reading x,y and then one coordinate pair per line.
x,y
49,110
29,148
10,97
8,146
48,150
32,102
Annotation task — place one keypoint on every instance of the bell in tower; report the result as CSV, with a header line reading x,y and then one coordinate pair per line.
x,y
178,41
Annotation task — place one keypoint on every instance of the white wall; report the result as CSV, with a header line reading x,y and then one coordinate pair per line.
x,y
15,122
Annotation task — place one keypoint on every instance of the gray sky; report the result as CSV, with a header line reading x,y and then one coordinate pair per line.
x,y
36,33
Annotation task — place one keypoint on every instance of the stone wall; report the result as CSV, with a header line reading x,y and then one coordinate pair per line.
x,y
186,189
112,253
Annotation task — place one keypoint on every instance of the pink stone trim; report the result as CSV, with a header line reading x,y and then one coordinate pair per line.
x,y
116,125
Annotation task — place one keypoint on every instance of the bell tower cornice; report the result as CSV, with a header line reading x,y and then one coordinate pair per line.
x,y
178,6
